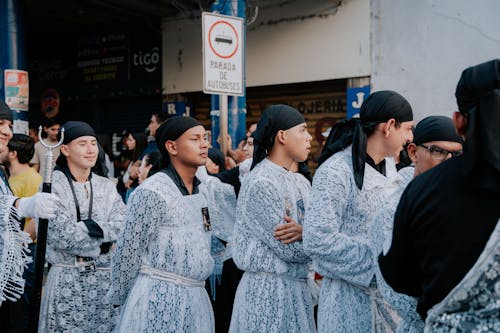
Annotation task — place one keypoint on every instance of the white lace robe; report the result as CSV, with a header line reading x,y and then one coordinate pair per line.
x,y
164,231
409,320
273,295
73,301
336,236
13,248
474,304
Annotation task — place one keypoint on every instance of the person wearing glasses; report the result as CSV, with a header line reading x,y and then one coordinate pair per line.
x,y
447,215
435,140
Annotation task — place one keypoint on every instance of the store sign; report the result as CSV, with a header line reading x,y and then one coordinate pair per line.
x,y
223,61
355,98
17,97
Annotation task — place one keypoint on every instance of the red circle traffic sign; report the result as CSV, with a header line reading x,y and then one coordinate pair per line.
x,y
223,39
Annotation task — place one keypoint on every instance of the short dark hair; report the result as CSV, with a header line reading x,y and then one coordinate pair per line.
x,y
154,159
49,122
161,116
24,146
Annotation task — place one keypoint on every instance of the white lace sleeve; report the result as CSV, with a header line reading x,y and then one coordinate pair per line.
x,y
145,209
334,253
13,251
264,211
115,219
64,232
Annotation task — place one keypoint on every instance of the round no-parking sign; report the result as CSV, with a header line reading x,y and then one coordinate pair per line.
x,y
223,54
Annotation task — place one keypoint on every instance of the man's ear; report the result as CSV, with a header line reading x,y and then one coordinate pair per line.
x,y
389,126
412,150
280,137
460,122
171,147
12,154
64,150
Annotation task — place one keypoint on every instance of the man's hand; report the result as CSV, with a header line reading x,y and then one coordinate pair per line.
x,y
289,232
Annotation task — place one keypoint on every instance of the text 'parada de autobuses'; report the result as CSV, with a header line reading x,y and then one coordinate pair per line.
x,y
225,69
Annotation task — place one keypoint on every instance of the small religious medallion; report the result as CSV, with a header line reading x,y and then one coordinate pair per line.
x,y
206,219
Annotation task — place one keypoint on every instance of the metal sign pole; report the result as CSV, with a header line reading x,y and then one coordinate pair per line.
x,y
41,243
223,123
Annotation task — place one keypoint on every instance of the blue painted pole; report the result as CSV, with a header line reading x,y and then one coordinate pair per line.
x,y
236,104
11,46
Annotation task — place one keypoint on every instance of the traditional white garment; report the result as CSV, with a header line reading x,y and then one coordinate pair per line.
x,y
336,236
273,295
474,304
13,248
406,319
163,259
73,299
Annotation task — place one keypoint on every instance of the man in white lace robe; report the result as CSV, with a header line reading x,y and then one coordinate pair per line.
x,y
163,256
273,294
90,216
355,177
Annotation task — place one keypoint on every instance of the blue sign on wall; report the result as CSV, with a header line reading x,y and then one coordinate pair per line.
x,y
179,108
355,97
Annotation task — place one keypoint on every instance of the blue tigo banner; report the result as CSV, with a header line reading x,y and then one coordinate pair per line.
x,y
355,97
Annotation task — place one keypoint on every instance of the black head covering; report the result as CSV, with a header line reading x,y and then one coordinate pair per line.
x,y
435,128
73,130
279,117
379,107
171,130
217,157
478,97
76,129
6,112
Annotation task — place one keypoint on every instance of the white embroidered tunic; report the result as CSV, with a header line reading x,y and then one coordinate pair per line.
x,y
163,259
408,320
273,295
73,300
336,236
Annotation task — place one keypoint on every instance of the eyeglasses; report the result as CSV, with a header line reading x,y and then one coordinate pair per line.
x,y
440,153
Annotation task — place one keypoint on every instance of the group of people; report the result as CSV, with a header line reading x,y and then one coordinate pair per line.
x,y
390,248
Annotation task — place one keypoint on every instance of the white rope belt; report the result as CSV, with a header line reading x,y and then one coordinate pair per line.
x,y
171,277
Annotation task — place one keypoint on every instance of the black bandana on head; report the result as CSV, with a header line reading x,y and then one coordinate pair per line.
x,y
279,117
379,107
171,130
6,112
478,97
76,129
435,128
73,130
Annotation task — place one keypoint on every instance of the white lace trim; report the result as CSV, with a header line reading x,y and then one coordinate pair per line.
x,y
15,255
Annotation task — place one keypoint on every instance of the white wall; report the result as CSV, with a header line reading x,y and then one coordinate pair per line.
x,y
420,47
331,45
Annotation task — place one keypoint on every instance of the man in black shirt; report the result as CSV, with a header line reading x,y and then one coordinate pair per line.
x,y
446,215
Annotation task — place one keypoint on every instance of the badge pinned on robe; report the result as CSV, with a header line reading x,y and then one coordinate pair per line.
x,y
206,219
